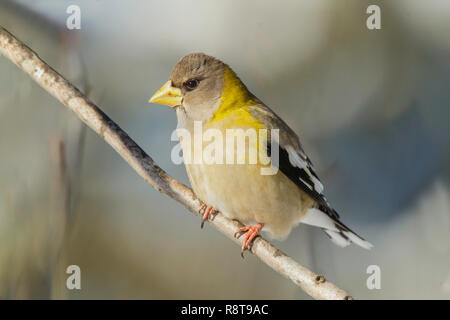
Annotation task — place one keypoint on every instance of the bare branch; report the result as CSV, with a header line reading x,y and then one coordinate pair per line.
x,y
316,286
61,193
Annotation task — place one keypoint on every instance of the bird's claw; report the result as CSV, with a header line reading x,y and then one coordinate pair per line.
x,y
207,212
251,232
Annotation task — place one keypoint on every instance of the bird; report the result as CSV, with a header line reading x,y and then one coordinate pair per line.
x,y
208,96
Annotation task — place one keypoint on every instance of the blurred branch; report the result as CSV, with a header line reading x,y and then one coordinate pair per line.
x,y
61,195
316,286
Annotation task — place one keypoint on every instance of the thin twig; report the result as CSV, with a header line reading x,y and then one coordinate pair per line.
x,y
61,195
316,286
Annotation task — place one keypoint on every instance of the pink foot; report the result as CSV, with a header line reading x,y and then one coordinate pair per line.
x,y
250,234
207,211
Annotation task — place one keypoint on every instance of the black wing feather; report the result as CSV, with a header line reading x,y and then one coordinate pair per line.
x,y
302,179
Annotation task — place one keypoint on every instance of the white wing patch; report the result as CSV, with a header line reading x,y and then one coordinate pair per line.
x,y
315,217
306,184
337,238
342,236
297,161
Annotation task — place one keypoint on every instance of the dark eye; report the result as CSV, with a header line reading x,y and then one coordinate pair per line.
x,y
191,84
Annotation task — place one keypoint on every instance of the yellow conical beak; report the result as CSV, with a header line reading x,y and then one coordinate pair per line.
x,y
167,95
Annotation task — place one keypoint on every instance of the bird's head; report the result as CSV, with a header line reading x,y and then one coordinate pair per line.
x,y
201,85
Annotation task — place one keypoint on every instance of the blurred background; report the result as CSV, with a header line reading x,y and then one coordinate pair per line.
x,y
371,107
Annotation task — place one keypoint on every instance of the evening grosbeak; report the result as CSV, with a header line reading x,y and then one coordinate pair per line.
x,y
204,90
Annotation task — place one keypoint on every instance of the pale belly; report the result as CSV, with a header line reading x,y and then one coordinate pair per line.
x,y
240,192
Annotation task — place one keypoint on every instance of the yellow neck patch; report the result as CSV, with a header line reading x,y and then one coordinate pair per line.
x,y
235,98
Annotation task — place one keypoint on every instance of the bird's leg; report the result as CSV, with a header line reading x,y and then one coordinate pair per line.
x,y
207,212
250,233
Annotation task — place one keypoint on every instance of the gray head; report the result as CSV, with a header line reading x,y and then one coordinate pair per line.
x,y
195,85
200,79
